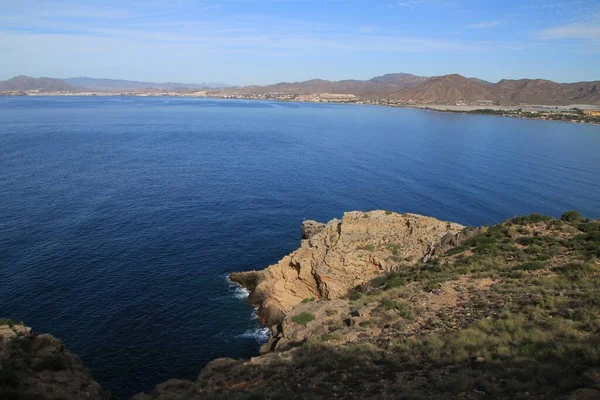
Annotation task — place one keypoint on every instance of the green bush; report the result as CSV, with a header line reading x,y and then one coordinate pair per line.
x,y
379,281
456,250
590,226
526,240
368,247
571,216
531,219
355,296
303,318
403,308
388,212
530,266
395,282
574,271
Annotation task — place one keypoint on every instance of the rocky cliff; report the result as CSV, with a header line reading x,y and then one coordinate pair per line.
x,y
335,257
38,366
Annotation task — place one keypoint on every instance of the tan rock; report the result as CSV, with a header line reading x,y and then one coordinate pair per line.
x,y
342,255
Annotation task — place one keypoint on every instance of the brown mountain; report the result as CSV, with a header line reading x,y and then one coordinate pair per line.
x,y
24,83
446,89
381,84
454,88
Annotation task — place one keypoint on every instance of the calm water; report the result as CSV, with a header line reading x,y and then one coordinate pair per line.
x,y
120,217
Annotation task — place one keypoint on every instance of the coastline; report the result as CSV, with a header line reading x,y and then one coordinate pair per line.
x,y
540,112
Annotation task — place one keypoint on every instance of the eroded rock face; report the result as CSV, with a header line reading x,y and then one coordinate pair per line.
x,y
340,255
39,366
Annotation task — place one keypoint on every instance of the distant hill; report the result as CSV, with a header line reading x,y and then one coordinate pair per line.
x,y
120,84
23,83
447,89
454,88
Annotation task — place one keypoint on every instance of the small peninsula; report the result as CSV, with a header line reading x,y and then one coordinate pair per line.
x,y
385,305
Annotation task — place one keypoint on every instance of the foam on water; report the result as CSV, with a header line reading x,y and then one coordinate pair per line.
x,y
237,290
261,335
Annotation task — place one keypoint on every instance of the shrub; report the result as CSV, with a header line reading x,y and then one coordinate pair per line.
x,y
395,282
531,219
6,321
480,239
574,271
331,336
379,281
54,363
330,313
456,250
591,226
387,212
368,247
355,296
530,266
303,318
526,240
308,300
403,308
488,249
394,248
571,216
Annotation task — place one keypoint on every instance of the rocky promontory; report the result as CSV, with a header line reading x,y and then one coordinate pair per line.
x,y
335,257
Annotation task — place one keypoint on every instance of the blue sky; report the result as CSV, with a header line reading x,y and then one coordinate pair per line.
x,y
245,42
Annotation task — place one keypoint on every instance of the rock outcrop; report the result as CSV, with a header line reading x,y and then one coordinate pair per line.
x,y
337,256
36,366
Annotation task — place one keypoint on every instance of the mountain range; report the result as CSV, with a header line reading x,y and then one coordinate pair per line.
x,y
25,83
120,84
445,89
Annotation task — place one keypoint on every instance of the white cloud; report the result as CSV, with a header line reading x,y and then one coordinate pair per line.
x,y
487,24
574,31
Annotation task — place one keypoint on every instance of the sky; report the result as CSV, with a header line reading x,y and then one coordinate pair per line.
x,y
243,42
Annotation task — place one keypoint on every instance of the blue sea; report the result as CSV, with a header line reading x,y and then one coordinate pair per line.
x,y
120,217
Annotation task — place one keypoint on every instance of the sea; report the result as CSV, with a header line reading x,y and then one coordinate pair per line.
x,y
121,217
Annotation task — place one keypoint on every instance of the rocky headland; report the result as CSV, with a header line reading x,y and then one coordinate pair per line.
x,y
384,305
335,257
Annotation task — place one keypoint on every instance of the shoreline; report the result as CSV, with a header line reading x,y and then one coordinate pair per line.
x,y
554,113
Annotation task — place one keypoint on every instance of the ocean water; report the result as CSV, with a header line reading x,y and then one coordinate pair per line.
x,y
120,218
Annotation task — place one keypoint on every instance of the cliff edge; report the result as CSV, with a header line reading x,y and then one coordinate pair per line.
x,y
38,366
